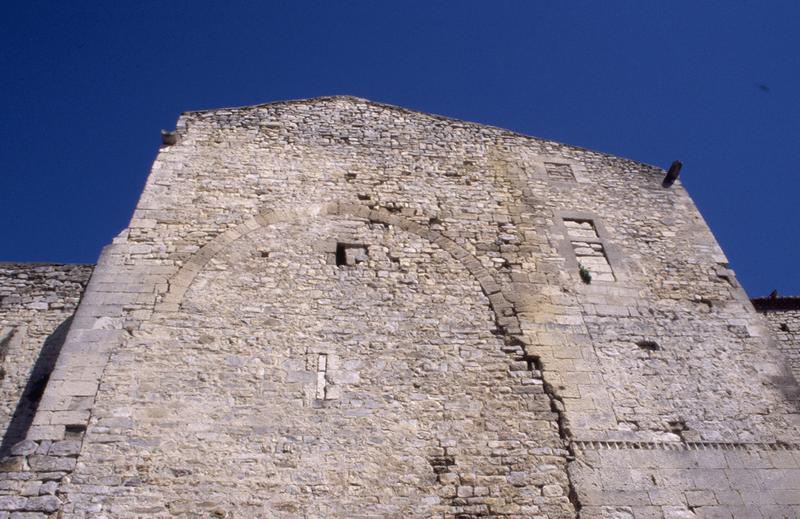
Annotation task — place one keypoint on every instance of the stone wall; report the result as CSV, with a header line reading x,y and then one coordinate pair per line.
x,y
336,308
36,303
782,315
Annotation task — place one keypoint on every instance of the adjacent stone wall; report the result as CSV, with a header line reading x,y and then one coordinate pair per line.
x,y
36,303
428,262
783,318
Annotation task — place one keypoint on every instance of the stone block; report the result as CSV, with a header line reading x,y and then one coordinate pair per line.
x,y
51,463
24,448
45,432
11,503
695,498
46,504
65,448
12,464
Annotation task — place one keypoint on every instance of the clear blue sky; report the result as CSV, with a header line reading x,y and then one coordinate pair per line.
x,y
86,87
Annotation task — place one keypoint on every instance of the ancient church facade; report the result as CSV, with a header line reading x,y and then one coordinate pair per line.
x,y
338,308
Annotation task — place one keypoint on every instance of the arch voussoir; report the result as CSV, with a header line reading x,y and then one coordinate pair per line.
x,y
179,283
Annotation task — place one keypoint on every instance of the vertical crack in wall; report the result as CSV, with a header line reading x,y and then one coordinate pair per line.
x,y
556,406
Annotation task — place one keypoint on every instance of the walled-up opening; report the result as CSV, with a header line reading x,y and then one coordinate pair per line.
x,y
589,250
559,171
322,370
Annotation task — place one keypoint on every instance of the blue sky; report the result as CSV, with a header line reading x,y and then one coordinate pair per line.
x,y
86,87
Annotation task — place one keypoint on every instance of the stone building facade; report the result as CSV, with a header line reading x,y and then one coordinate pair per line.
x,y
338,308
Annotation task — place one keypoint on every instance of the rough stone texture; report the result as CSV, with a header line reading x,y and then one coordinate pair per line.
x,y
336,308
36,302
422,412
783,319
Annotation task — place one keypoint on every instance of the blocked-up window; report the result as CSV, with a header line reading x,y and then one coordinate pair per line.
x,y
589,249
559,171
322,371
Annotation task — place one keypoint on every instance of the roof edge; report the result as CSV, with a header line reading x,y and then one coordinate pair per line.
x,y
347,97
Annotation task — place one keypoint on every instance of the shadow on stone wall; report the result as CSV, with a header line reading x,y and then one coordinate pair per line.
x,y
29,401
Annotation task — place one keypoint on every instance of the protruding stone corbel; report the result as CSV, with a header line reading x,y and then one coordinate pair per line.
x,y
168,138
672,174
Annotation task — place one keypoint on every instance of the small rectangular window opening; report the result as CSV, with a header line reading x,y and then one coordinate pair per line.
x,y
341,255
348,255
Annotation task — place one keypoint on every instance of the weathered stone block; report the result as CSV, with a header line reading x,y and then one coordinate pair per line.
x,y
51,463
24,448
43,504
12,502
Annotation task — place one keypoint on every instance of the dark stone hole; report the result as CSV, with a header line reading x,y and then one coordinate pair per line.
x,y
677,427
74,432
534,362
350,254
341,255
648,345
705,301
442,464
784,327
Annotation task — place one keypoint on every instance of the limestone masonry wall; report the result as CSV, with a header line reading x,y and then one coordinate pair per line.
x,y
783,318
337,308
36,302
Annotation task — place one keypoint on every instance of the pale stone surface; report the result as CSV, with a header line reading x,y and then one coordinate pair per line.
x,y
336,308
783,319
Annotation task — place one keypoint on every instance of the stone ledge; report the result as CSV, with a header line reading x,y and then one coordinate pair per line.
x,y
683,446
